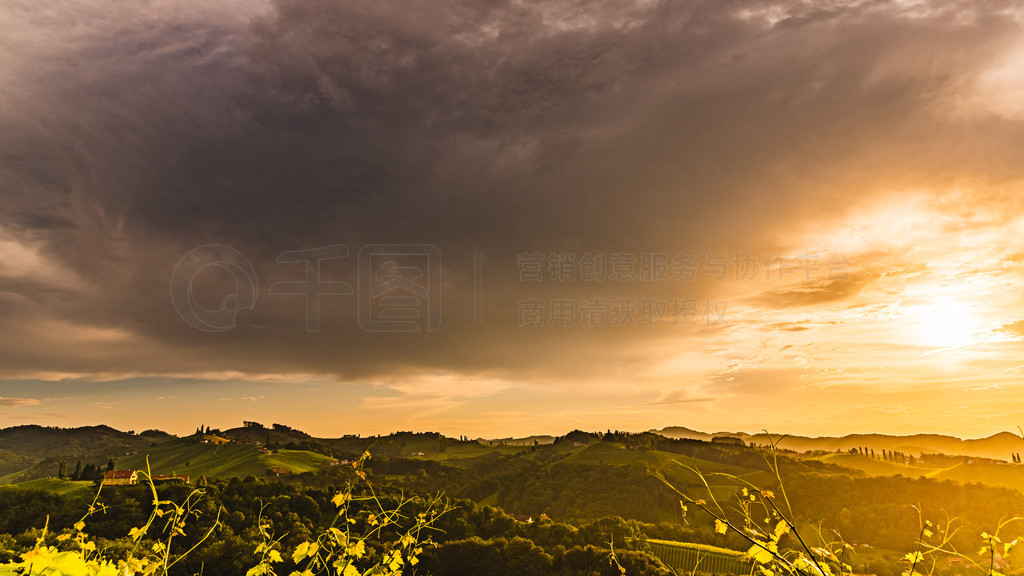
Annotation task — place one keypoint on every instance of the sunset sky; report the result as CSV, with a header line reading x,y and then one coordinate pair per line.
x,y
527,217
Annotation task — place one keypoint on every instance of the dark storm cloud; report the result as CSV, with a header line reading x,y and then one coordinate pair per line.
x,y
129,138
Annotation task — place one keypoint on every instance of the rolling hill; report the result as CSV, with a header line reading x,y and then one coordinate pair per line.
x,y
33,452
992,473
189,456
86,442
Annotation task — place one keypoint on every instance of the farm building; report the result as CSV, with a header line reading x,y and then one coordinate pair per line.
x,y
121,477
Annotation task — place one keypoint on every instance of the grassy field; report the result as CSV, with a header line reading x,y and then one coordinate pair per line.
x,y
985,472
1007,475
876,467
617,454
63,487
295,461
224,461
724,480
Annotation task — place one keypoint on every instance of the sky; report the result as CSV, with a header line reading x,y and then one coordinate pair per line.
x,y
501,218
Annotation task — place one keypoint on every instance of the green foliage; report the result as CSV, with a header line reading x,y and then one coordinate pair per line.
x,y
779,544
383,540
367,535
75,553
935,549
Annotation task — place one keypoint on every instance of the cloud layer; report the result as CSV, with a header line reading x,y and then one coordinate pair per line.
x,y
646,132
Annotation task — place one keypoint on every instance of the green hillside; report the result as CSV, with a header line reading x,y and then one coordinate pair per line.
x,y
612,453
63,487
674,465
33,452
91,442
724,480
186,456
992,473
876,467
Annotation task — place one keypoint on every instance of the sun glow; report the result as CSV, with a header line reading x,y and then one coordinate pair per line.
x,y
945,325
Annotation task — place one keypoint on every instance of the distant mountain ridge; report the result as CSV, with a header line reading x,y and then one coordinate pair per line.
x,y
999,446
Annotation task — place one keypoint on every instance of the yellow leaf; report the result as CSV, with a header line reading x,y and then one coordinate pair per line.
x,y
808,567
108,568
721,527
357,549
301,551
781,528
759,555
68,564
274,556
257,570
